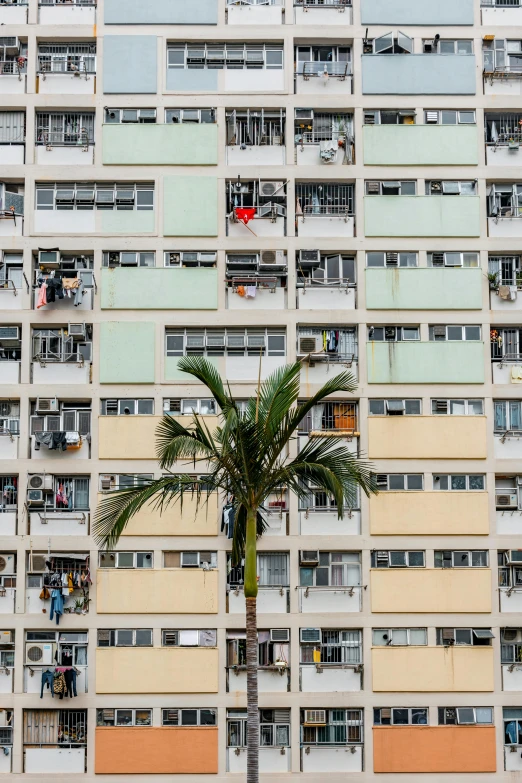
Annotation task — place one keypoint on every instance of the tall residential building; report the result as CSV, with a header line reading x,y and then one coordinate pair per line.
x,y
262,180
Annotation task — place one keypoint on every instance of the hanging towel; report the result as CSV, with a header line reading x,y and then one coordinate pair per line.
x,y
516,374
328,151
42,296
241,290
251,291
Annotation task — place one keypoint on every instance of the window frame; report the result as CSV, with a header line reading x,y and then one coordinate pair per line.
x,y
114,636
449,400
407,557
457,722
135,555
133,722
440,559
438,482
389,184
405,488
387,412
410,711
181,710
409,643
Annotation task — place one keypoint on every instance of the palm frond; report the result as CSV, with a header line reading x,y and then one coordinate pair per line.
x,y
174,442
205,372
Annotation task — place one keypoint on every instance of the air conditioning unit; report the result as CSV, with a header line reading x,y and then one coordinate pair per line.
x,y
128,259
437,259
269,189
35,497
507,501
436,187
310,344
6,637
236,341
439,331
315,717
281,635
304,114
42,481
514,556
7,564
511,635
432,117
392,259
274,259
309,557
173,259
309,259
49,258
381,479
77,331
242,263
107,481
6,407
441,406
37,563
9,334
190,559
40,653
390,333
369,118
312,635
373,188
170,638
428,47
47,405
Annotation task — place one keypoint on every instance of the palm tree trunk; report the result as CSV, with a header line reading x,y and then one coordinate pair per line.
x,y
251,649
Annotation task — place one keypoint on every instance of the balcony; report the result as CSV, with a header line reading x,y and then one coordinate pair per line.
x,y
323,12
61,358
427,437
329,78
13,76
506,13
330,678
270,680
415,12
270,600
163,591
163,750
438,749
65,139
78,447
429,513
420,145
169,669
255,137
66,68
431,590
125,288
325,209
13,14
252,12
148,144
161,12
432,669
425,362
330,599
421,216
423,289
11,209
418,74
72,12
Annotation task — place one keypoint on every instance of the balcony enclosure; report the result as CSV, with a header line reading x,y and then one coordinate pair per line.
x,y
55,741
256,136
273,660
325,209
329,657
70,279
325,351
325,280
13,65
47,570
505,209
63,433
261,203
10,354
11,209
62,355
323,138
258,12
327,68
68,650
12,136
501,12
502,62
66,68
72,12
319,12
257,280
65,138
9,496
331,740
58,504
274,584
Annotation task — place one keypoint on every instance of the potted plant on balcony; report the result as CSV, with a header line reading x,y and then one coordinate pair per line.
x,y
493,280
246,459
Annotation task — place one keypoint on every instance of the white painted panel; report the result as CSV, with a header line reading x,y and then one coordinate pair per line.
x,y
64,156
252,14
61,373
265,155
67,303
502,374
12,84
11,153
8,523
503,87
268,601
5,760
512,680
510,602
510,449
506,305
246,368
9,446
340,600
56,454
326,523
66,84
326,298
263,300
13,14
54,760
276,524
268,682
309,155
314,16
332,760
505,227
9,372
250,81
55,221
7,601
33,684
513,761
501,16
57,523
314,226
9,300
329,680
33,602
67,14
320,372
503,156
6,686
262,227
509,523
12,228
270,760
318,85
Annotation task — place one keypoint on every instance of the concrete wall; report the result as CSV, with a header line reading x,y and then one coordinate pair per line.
x,y
432,669
127,352
429,514
190,206
420,145
159,289
418,12
129,63
423,289
437,590
157,591
418,74
134,437
160,12
422,216
425,362
148,144
427,437
177,519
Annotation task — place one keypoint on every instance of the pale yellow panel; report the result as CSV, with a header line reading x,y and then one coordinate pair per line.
x,y
436,590
432,669
156,670
167,591
429,514
427,437
176,520
134,437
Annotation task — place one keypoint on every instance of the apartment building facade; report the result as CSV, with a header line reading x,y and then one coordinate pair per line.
x,y
259,181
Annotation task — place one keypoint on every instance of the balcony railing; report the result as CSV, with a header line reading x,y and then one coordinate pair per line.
x,y
66,64
341,4
500,3
13,67
91,3
325,69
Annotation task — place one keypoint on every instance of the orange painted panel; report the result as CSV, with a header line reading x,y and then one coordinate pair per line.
x,y
162,750
434,749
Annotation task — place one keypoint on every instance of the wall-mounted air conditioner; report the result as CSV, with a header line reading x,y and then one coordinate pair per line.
x,y
281,635
270,189
309,259
128,259
35,497
40,653
107,481
43,481
273,259
9,334
309,557
315,717
309,344
7,564
190,559
50,259
311,635
37,563
304,114
78,331
47,405
506,500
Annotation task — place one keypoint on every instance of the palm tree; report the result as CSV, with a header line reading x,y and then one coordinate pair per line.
x,y
246,458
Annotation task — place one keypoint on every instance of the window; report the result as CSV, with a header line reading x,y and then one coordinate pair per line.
x,y
393,334
123,480
189,259
312,127
457,407
507,269
272,648
389,117
509,569
9,418
125,637
272,570
125,407
67,494
331,270
512,725
338,417
331,569
189,717
502,55
189,638
330,646
391,259
79,58
130,115
391,43
71,647
234,56
274,728
453,259
454,333
341,727
125,560
398,559
449,117
462,716
193,116
477,558
314,61
63,129
399,637
318,500
460,482
505,200
327,344
253,127
95,195
71,417
478,637
324,198
444,46
508,415
108,717
400,481
203,560
391,188
57,345
451,188
116,258
11,271
400,716
506,344
186,407
225,342
503,129
511,645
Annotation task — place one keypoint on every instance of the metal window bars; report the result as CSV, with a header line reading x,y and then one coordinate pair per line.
x,y
15,65
337,647
326,69
503,130
76,58
330,418
317,199
507,269
67,2
65,728
256,127
8,493
325,126
500,3
75,490
52,345
63,129
340,4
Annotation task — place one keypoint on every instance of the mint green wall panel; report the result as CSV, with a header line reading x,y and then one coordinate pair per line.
x,y
127,350
158,289
424,289
418,145
190,207
417,12
173,373
431,362
122,221
422,216
172,145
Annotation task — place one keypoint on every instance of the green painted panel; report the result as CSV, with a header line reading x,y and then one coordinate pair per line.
x,y
424,289
190,207
431,362
418,145
123,221
422,216
159,289
127,352
173,373
173,145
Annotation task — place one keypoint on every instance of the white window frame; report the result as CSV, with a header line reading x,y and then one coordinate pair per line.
x,y
180,710
125,709
122,400
186,637
391,643
464,263
385,185
463,338
399,333
77,201
447,187
115,632
267,334
405,488
431,119
446,479
386,261
467,722
195,118
456,43
197,404
377,116
241,719
450,401
353,718
140,119
456,558
344,566
444,642
406,552
385,400
410,716
135,555
235,56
